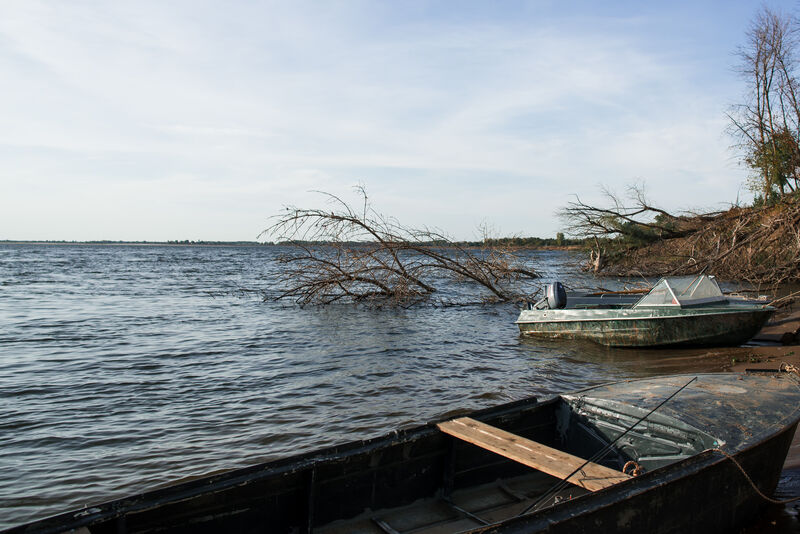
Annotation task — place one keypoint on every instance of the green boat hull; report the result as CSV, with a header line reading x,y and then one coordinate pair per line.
x,y
729,325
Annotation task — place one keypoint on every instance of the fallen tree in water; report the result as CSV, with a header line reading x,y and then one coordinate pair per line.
x,y
359,255
759,245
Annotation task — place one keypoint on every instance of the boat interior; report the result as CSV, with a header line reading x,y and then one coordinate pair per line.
x,y
475,473
676,291
453,476
601,301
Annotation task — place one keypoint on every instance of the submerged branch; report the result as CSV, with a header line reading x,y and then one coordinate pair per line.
x,y
365,257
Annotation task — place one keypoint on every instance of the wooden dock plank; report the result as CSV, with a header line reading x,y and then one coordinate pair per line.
x,y
554,462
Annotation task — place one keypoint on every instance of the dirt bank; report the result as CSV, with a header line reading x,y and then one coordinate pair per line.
x,y
744,244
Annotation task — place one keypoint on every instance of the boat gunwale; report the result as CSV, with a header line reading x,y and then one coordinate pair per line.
x,y
706,311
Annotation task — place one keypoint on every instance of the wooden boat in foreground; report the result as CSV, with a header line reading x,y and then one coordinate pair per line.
x,y
681,310
527,466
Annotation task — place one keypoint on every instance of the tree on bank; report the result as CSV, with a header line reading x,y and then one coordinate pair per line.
x,y
767,124
759,244
622,224
631,237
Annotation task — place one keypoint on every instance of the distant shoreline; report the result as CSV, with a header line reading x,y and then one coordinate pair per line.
x,y
144,243
464,244
139,243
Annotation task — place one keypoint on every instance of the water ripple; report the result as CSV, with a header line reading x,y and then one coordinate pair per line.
x,y
120,372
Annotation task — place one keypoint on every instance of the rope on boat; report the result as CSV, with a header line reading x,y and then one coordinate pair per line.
x,y
635,472
750,480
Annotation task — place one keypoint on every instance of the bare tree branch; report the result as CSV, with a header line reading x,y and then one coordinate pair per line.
x,y
363,256
639,220
756,245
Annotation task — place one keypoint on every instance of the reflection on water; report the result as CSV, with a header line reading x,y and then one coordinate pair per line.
x,y
633,361
124,368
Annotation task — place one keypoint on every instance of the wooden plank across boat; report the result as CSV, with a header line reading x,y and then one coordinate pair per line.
x,y
560,464
527,466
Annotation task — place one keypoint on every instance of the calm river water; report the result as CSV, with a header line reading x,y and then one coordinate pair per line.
x,y
123,368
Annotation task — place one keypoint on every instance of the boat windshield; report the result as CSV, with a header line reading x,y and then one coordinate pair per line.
x,y
682,291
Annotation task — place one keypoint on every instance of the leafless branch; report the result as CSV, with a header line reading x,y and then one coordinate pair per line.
x,y
344,255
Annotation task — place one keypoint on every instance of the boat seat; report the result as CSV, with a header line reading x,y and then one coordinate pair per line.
x,y
552,461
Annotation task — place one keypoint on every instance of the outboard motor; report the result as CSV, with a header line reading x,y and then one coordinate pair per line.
x,y
555,298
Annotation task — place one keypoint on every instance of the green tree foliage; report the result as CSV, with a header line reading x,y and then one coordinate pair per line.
x,y
767,124
776,164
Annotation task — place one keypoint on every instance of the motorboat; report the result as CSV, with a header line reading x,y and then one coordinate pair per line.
x,y
680,310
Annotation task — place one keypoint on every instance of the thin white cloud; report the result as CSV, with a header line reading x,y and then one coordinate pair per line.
x,y
480,118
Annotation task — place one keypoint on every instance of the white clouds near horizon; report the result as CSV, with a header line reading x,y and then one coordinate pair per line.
x,y
189,120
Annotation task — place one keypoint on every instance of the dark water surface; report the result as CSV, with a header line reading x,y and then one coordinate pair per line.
x,y
123,368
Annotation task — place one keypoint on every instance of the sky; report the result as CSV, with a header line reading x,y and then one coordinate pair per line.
x,y
200,120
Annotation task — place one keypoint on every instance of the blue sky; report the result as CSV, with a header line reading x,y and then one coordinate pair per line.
x,y
198,120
